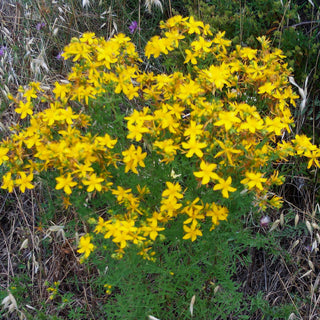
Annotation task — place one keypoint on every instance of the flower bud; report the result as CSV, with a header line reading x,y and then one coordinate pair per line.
x,y
264,221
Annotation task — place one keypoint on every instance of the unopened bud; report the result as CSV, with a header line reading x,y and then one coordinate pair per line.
x,y
264,221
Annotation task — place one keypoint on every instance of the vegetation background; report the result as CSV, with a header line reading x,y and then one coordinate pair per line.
x,y
245,269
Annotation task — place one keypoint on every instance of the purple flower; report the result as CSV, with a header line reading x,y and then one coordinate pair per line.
x,y
59,56
264,221
2,51
308,248
133,26
40,25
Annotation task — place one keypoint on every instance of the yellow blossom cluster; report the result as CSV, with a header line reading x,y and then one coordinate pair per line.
x,y
224,111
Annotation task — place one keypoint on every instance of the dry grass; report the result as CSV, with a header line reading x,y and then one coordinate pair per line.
x,y
40,256
49,255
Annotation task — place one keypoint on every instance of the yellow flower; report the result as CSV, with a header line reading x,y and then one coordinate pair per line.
x,y
85,246
227,119
88,37
111,228
168,146
158,45
228,151
24,181
106,141
61,90
193,26
188,91
201,45
206,172
123,234
170,206
314,156
131,91
194,215
8,183
276,202
121,193
139,117
152,229
166,119
275,179
194,129
254,180
83,169
142,191
52,114
3,154
136,131
83,92
35,86
77,49
225,186
216,113
194,147
302,144
172,191
108,288
172,22
25,108
66,183
68,115
174,36
246,52
133,157
192,232
268,87
191,56
30,93
100,226
217,213
275,125
93,183
217,75
108,52
252,124
221,42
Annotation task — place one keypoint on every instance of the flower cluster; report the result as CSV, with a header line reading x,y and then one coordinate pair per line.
x,y
224,111
53,290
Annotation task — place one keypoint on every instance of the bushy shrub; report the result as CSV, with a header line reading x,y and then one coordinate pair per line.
x,y
292,26
198,138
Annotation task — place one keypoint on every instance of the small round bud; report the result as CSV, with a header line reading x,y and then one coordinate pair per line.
x,y
264,221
